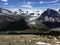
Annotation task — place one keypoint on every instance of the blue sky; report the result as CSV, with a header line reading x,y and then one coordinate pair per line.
x,y
30,4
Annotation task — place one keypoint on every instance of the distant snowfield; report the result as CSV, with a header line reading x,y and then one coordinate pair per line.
x,y
35,11
29,10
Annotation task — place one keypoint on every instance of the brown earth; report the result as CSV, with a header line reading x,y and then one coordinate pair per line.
x,y
28,39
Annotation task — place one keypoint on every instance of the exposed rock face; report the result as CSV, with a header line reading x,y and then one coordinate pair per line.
x,y
49,13
9,21
5,11
50,18
59,11
17,25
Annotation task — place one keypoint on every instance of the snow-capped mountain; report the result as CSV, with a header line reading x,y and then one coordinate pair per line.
x,y
59,11
5,11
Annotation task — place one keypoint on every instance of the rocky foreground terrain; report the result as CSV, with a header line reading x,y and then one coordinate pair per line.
x,y
33,38
29,39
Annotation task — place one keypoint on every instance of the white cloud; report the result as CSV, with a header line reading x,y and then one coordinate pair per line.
x,y
4,0
53,1
27,6
56,4
5,3
29,3
42,2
